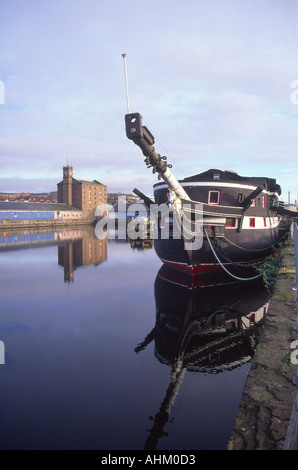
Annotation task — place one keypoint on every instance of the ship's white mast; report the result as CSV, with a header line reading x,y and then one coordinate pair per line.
x,y
126,82
142,137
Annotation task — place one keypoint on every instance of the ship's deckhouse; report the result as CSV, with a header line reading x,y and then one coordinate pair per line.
x,y
237,212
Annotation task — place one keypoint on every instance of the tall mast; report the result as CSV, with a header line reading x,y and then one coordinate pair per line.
x,y
126,82
143,138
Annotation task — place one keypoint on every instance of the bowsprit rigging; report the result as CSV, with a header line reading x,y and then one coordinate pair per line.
x,y
242,212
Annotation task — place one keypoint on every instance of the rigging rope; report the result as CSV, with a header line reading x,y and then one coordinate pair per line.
x,y
170,156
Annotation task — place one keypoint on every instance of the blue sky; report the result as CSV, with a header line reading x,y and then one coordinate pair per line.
x,y
212,80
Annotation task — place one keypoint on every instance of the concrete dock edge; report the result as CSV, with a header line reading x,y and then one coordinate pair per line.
x,y
267,417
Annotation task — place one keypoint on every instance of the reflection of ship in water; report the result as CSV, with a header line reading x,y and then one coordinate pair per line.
x,y
198,328
81,249
141,244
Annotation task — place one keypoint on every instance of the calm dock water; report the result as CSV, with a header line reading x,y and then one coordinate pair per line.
x,y
105,349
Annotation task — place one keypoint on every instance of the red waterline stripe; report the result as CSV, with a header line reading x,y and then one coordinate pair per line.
x,y
194,269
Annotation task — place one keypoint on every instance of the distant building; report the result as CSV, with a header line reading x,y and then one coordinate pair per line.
x,y
83,195
34,211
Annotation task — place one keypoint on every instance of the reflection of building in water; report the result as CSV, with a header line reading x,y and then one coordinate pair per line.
x,y
83,251
205,329
70,234
35,238
13,240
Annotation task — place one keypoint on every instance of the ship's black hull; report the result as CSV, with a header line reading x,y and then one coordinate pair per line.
x,y
239,221
240,258
235,232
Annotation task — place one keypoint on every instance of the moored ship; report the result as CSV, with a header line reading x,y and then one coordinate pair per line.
x,y
240,224
232,221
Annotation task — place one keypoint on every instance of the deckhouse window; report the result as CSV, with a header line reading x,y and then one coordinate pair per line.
x,y
214,197
216,176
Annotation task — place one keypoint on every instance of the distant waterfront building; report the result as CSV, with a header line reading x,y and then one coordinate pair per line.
x,y
77,200
26,212
83,195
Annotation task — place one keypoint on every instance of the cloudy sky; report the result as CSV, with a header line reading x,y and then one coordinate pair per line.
x,y
212,80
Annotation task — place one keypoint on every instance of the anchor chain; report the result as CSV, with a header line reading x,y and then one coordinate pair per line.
x,y
220,252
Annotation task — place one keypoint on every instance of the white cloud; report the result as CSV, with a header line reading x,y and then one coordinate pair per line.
x,y
212,79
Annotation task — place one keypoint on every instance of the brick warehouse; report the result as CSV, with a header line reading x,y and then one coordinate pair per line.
x,y
83,195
